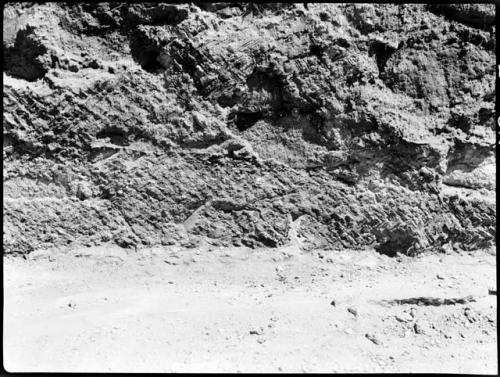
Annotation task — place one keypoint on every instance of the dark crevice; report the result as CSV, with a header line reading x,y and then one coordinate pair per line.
x,y
480,16
203,144
260,239
228,100
146,55
386,249
430,301
316,50
157,15
244,121
259,81
149,61
382,53
22,59
116,136
460,121
342,42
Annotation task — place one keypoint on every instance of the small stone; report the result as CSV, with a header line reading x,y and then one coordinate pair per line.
x,y
440,276
420,327
258,331
353,311
333,303
470,315
404,317
373,338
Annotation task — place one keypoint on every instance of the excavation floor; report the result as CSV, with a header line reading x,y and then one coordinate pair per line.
x,y
240,310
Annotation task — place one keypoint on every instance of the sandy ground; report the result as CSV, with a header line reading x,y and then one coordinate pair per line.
x,y
240,310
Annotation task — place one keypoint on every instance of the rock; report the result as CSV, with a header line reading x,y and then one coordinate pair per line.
x,y
333,303
404,317
83,190
353,311
471,315
440,276
259,331
421,327
373,338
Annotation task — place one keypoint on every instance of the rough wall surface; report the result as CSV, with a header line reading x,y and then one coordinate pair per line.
x,y
330,125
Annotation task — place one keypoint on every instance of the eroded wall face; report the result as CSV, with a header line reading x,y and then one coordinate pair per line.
x,y
340,126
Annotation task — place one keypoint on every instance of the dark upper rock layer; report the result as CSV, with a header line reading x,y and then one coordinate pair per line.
x,y
326,125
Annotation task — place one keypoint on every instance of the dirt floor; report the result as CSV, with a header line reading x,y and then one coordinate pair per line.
x,y
240,310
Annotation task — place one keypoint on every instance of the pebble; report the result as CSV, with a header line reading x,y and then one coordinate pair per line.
x,y
413,312
258,331
404,317
470,315
333,303
420,327
373,338
353,311
440,276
